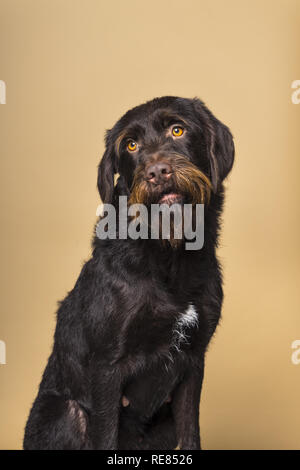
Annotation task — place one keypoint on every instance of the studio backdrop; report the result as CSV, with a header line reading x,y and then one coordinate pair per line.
x,y
69,69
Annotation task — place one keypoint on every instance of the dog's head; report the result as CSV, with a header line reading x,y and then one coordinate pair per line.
x,y
167,150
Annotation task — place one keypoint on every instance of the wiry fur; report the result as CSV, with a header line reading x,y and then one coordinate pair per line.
x,y
141,314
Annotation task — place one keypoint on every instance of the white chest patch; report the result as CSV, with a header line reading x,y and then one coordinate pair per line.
x,y
188,319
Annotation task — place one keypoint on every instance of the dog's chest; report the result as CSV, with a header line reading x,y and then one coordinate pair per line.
x,y
162,328
159,362
186,321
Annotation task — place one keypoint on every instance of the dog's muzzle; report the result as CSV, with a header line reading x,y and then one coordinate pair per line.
x,y
169,180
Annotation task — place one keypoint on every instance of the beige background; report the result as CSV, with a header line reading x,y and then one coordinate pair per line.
x,y
71,68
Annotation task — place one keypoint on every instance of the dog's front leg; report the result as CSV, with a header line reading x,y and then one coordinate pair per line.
x,y
186,410
106,398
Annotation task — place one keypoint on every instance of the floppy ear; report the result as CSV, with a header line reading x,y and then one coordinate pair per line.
x,y
221,153
220,146
106,171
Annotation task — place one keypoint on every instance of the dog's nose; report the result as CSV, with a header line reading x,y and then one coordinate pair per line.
x,y
158,172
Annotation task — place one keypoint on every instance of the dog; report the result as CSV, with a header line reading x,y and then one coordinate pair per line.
x,y
127,364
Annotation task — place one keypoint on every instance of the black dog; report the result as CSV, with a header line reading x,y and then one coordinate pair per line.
x,y
128,358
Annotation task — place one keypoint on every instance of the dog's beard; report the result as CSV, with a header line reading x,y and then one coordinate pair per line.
x,y
187,182
188,185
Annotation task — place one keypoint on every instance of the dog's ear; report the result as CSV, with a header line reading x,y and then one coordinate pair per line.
x,y
219,142
221,152
106,170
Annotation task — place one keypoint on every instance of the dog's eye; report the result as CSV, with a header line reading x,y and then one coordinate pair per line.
x,y
177,131
132,145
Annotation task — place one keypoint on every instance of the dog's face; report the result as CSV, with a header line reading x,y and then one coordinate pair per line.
x,y
167,150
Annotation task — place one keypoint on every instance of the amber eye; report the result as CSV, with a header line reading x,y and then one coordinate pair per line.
x,y
132,145
177,131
